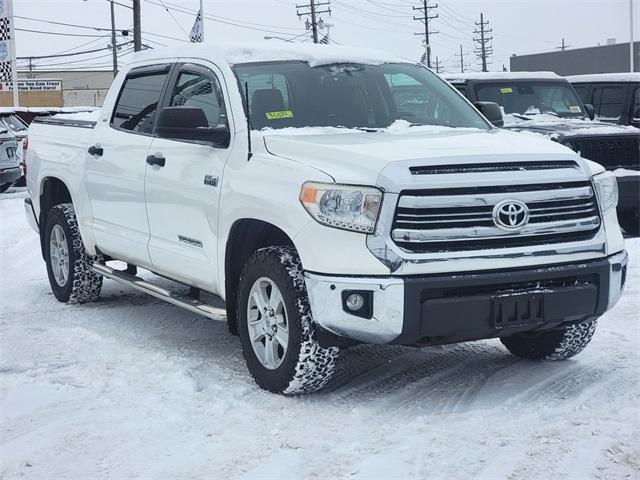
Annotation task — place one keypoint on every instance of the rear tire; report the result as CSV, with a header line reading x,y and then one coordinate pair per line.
x,y
303,366
630,222
69,266
557,344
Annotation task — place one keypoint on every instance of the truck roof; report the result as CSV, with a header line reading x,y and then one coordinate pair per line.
x,y
234,53
605,77
463,77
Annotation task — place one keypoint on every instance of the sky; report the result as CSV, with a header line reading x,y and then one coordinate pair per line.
x,y
519,26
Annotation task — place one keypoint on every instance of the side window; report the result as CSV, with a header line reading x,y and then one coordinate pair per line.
x,y
200,91
269,100
635,114
609,102
582,91
137,104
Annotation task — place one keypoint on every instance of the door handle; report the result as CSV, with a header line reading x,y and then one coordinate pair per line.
x,y
96,150
156,159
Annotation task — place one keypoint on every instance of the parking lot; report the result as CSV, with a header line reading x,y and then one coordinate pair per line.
x,y
133,387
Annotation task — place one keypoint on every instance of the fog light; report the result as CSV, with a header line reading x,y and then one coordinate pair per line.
x,y
355,302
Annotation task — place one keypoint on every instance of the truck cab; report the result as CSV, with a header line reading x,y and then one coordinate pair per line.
x,y
328,196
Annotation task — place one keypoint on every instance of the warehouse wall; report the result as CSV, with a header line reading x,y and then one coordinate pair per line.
x,y
601,59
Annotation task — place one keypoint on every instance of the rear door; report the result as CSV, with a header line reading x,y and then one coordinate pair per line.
x,y
182,196
116,166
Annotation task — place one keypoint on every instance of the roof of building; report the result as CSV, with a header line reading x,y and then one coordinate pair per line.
x,y
461,77
605,77
236,53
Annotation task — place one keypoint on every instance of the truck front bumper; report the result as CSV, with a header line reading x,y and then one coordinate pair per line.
x,y
438,309
9,175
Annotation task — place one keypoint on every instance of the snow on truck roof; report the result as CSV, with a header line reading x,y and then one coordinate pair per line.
x,y
461,77
237,53
605,77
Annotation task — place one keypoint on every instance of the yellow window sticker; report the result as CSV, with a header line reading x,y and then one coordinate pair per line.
x,y
279,115
506,90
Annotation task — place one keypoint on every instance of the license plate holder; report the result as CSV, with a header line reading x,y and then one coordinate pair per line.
x,y
518,310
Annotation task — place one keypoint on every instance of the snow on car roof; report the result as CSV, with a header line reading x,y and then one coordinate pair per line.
x,y
7,110
236,53
605,77
461,77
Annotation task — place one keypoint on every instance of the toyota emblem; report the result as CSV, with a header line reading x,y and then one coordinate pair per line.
x,y
511,214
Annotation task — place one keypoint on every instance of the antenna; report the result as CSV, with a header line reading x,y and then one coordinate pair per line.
x,y
246,96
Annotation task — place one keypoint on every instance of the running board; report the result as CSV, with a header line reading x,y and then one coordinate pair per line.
x,y
183,301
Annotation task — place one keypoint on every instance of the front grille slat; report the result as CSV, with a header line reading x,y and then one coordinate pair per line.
x,y
611,151
557,213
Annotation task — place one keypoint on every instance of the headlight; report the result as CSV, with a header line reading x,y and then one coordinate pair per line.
x,y
607,191
347,207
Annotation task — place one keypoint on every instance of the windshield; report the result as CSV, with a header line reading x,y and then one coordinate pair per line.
x,y
532,98
12,122
293,94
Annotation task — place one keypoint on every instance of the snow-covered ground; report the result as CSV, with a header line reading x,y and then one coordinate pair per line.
x,y
131,387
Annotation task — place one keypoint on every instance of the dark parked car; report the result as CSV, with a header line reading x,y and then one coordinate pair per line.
x,y
545,103
13,123
615,96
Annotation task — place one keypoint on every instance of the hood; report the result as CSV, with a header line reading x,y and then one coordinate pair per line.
x,y
352,156
559,128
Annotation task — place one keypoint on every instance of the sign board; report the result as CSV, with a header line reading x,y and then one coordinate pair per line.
x,y
33,85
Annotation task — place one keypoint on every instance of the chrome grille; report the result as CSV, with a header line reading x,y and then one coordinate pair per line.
x,y
462,219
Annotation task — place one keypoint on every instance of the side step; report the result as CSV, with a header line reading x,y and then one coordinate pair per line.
x,y
183,301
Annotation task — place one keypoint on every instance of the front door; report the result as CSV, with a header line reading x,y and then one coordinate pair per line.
x,y
182,195
116,166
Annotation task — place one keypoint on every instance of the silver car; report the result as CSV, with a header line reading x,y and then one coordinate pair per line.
x,y
9,161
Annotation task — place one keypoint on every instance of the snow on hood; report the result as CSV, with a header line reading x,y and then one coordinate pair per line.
x,y
354,156
235,53
554,126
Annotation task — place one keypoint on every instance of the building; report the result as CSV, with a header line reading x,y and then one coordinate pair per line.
x,y
610,58
59,88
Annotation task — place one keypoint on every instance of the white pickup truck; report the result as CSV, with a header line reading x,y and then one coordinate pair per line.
x,y
330,197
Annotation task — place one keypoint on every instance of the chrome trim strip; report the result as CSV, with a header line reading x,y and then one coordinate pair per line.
x,y
488,233
490,199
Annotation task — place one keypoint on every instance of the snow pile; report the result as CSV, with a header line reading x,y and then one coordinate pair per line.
x,y
568,127
624,172
399,127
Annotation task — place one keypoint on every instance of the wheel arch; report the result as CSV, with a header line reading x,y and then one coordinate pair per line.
x,y
245,237
53,191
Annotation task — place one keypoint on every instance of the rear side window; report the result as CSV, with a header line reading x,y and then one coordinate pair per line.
x,y
138,102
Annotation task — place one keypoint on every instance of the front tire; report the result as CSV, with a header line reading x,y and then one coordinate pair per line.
x,y
557,344
276,327
69,266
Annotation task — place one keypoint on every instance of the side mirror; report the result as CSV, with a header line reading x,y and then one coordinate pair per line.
x,y
591,112
492,112
188,123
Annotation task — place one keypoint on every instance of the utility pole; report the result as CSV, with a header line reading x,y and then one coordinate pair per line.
x,y
563,46
312,10
137,28
461,55
30,74
114,47
484,48
438,65
426,19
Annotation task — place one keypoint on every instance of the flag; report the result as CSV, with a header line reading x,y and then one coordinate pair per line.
x,y
197,32
423,59
325,39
